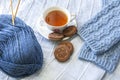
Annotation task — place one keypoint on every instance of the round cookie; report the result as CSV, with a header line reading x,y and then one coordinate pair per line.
x,y
68,44
69,31
62,53
55,36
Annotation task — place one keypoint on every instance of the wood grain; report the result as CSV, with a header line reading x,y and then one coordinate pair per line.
x,y
31,11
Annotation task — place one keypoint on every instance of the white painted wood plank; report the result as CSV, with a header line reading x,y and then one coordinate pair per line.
x,y
74,6
72,70
63,3
50,3
64,71
47,4
3,8
91,11
92,72
85,12
24,9
75,66
52,66
51,69
36,9
113,76
47,54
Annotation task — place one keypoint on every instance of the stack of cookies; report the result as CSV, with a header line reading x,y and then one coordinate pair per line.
x,y
63,51
65,48
68,32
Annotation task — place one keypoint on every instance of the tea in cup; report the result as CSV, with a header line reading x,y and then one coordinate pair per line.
x,y
56,18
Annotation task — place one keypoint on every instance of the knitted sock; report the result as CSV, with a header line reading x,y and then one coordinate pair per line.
x,y
107,61
101,35
102,32
106,2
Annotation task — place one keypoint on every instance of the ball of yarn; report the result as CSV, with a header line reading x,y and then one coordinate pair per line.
x,y
20,52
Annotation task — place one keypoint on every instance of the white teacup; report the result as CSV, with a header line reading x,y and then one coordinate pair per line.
x,y
61,27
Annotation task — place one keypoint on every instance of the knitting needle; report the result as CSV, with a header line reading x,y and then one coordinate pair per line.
x,y
12,12
14,15
17,8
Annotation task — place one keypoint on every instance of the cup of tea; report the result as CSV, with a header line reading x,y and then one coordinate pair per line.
x,y
56,18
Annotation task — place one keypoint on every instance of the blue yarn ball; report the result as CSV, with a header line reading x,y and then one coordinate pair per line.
x,y
20,52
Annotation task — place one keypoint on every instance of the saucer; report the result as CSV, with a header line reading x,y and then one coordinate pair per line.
x,y
44,31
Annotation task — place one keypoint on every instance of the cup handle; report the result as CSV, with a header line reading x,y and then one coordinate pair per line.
x,y
73,16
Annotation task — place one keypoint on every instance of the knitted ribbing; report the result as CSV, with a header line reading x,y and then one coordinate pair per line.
x,y
102,32
108,61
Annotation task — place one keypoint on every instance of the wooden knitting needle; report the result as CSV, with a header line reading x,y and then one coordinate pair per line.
x,y
12,12
17,9
14,15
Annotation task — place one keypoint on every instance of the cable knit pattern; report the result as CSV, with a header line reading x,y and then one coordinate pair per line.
x,y
101,36
102,32
106,2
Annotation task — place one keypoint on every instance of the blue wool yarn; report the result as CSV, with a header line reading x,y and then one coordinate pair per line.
x,y
102,37
20,52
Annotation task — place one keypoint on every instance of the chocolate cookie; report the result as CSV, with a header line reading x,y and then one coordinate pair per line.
x,y
56,36
69,31
68,44
62,53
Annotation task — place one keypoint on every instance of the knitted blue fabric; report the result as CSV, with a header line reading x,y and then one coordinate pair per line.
x,y
20,52
106,2
102,32
102,39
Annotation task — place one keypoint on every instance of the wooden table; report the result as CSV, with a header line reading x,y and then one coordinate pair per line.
x,y
75,69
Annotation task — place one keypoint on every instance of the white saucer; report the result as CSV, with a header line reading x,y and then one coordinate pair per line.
x,y
44,31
